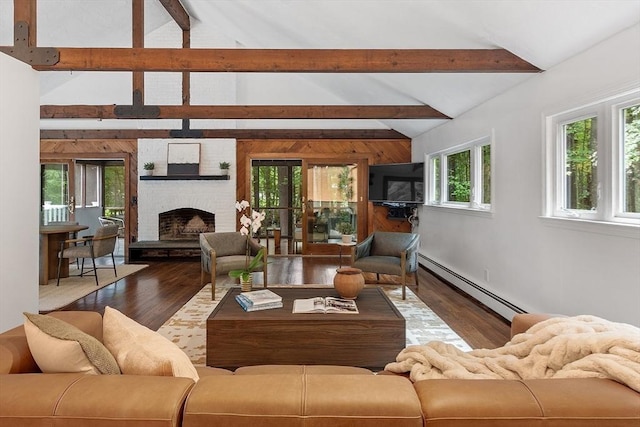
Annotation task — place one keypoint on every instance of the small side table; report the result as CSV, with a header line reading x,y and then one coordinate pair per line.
x,y
344,245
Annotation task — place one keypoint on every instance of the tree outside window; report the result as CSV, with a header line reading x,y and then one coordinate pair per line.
x,y
459,177
593,161
581,144
631,135
486,174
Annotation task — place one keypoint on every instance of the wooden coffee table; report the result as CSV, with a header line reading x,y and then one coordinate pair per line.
x,y
370,339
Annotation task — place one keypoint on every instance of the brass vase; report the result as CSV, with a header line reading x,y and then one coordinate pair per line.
x,y
246,285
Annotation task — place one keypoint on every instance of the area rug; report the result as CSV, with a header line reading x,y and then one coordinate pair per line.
x,y
187,327
73,288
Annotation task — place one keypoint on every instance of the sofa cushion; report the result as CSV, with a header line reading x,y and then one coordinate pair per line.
x,y
302,399
79,400
57,346
141,351
545,402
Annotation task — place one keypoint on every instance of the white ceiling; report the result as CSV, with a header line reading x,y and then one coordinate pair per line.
x,y
543,32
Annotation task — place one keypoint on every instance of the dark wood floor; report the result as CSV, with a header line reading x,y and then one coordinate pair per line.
x,y
151,296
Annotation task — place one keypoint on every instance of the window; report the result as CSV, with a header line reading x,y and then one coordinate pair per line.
x,y
630,117
461,176
485,174
593,162
87,186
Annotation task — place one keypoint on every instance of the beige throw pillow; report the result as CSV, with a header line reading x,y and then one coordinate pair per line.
x,y
57,346
141,351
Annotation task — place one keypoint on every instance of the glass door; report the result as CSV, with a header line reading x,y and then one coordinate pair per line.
x,y
331,201
56,182
276,191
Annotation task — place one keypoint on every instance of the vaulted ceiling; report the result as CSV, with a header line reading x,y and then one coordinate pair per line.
x,y
414,63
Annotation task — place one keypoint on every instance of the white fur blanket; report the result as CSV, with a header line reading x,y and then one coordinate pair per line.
x,y
560,347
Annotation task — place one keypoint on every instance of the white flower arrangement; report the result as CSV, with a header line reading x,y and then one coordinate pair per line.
x,y
249,225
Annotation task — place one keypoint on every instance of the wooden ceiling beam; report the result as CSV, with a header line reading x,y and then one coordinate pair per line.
x,y
243,112
178,13
290,60
137,41
26,11
302,134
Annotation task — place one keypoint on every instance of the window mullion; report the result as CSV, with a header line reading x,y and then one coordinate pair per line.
x,y
476,160
607,140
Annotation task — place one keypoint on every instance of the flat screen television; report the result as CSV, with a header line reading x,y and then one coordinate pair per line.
x,y
396,183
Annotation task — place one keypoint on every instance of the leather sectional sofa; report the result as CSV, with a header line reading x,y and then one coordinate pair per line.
x,y
295,396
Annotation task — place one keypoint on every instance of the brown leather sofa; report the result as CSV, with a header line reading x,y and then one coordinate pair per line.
x,y
295,396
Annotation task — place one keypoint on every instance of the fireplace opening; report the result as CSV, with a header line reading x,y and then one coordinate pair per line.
x,y
185,224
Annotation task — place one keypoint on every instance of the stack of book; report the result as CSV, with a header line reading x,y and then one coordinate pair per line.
x,y
259,300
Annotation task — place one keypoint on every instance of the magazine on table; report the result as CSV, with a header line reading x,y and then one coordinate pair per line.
x,y
325,305
259,300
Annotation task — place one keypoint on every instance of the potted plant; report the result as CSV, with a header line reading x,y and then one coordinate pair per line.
x,y
250,223
149,167
346,229
224,168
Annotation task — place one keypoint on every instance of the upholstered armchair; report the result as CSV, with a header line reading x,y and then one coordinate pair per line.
x,y
391,253
223,252
101,244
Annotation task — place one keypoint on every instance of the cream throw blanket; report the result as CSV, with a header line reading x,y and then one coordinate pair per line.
x,y
560,347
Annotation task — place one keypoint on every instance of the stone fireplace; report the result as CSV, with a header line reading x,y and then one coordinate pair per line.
x,y
185,224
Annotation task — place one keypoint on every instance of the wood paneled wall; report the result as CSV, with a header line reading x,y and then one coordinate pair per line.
x,y
374,151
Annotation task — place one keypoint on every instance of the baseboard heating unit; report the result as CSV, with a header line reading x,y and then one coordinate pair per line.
x,y
495,302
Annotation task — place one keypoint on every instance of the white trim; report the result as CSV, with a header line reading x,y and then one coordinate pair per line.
x,y
617,229
463,210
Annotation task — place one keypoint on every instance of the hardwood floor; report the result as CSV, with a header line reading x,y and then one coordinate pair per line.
x,y
153,295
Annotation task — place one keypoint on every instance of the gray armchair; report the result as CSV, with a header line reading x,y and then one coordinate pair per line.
x,y
222,252
391,253
101,244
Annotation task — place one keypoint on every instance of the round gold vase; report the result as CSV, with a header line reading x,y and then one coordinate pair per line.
x,y
246,285
348,282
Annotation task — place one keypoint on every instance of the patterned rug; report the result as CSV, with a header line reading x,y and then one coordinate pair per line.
x,y
187,327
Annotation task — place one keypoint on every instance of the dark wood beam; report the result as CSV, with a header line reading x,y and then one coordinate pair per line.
x,y
25,46
26,11
291,60
302,134
178,13
186,75
137,36
244,112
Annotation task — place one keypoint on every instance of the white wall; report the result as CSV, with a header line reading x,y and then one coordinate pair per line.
x,y
19,188
531,262
219,197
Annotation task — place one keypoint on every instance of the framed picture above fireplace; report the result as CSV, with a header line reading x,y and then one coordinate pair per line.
x,y
183,159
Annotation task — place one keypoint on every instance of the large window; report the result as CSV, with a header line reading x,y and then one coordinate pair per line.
x,y
461,176
593,162
630,197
